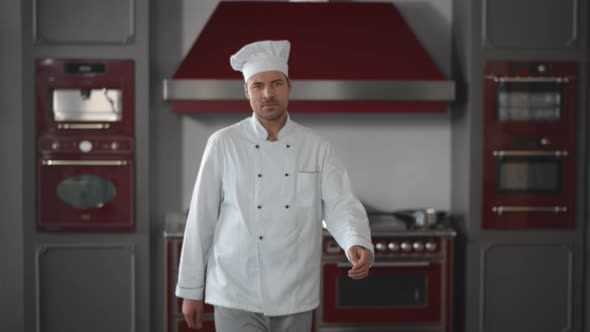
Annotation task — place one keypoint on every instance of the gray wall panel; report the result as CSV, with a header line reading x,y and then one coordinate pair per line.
x,y
11,168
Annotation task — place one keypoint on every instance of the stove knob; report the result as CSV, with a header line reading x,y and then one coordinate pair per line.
x,y
393,246
380,246
418,246
430,246
114,146
406,246
55,146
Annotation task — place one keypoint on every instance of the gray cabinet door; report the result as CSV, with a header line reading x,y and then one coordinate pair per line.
x,y
86,287
527,287
530,24
84,21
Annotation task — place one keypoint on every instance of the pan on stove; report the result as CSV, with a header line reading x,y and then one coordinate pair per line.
x,y
421,218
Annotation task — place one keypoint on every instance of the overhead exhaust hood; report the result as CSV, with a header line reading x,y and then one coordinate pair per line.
x,y
345,57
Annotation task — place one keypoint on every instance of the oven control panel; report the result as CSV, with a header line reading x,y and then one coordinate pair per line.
x,y
392,246
86,145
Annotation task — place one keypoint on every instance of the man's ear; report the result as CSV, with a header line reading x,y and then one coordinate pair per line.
x,y
246,93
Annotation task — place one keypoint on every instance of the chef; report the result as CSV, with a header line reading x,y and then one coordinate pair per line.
x,y
252,243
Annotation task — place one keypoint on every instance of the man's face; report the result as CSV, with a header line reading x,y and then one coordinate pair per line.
x,y
268,93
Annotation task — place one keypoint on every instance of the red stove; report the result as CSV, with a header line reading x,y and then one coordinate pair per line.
x,y
408,288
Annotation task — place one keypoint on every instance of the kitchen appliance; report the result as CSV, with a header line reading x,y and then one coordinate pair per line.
x,y
396,75
85,183
422,218
408,288
529,173
85,145
94,96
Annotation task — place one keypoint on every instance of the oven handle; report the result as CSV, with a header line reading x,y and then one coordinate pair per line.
x,y
529,153
50,162
504,209
83,126
530,79
392,264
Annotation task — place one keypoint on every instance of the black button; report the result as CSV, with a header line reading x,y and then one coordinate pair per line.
x,y
288,146
257,146
286,206
286,174
259,175
260,237
260,206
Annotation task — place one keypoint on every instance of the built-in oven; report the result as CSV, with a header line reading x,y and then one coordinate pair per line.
x,y
408,287
85,184
85,136
85,95
529,173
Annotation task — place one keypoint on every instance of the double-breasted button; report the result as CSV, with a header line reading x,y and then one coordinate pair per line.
x,y
288,146
261,237
286,174
257,146
259,206
287,206
259,175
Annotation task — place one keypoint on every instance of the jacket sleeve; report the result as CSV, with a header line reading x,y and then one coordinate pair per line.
x,y
200,224
343,213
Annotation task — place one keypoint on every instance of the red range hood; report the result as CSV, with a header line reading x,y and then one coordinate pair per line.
x,y
345,57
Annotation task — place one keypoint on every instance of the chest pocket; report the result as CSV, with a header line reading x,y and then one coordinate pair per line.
x,y
307,187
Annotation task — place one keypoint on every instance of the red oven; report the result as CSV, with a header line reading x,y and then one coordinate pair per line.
x,y
408,287
529,173
85,144
85,183
93,96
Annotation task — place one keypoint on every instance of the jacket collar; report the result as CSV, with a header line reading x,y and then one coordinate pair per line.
x,y
262,133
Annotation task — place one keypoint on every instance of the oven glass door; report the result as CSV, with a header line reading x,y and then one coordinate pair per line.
x,y
85,194
394,292
86,105
534,101
532,173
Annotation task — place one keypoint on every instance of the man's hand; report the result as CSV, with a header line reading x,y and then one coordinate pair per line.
x,y
361,260
192,310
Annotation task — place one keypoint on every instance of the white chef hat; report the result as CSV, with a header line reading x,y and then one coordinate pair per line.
x,y
262,56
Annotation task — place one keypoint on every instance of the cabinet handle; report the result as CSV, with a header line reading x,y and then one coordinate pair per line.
x,y
517,209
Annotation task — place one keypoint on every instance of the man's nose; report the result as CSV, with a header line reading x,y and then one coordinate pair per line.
x,y
267,92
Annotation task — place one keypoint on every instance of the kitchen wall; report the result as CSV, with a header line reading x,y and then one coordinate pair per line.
x,y
394,160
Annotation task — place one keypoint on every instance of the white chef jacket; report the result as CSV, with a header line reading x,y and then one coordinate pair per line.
x,y
254,228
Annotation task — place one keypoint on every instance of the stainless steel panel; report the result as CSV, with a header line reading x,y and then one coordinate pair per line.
x,y
317,90
95,105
